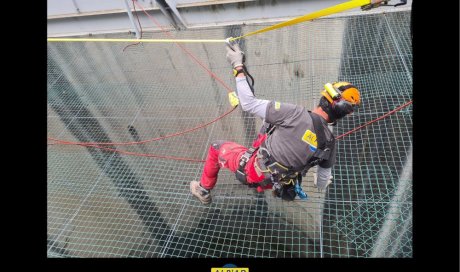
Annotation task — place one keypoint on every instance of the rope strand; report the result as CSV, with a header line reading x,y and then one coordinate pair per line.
x,y
375,120
62,142
153,139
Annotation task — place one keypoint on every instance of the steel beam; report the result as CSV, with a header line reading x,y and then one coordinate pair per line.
x,y
95,17
130,15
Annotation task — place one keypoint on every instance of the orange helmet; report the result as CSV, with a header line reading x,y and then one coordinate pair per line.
x,y
342,96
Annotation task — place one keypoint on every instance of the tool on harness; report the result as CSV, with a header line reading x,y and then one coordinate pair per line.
x,y
284,192
286,184
288,188
298,189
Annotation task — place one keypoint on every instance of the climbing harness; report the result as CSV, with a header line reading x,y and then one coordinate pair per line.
x,y
287,180
323,152
325,147
266,130
240,174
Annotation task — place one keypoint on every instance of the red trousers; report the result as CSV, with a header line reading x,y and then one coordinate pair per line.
x,y
223,154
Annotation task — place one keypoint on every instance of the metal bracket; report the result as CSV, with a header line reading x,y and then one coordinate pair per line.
x,y
168,7
130,14
76,6
172,5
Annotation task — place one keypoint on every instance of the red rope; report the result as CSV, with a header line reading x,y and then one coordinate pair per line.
x,y
196,160
150,140
185,50
140,26
375,120
167,136
133,153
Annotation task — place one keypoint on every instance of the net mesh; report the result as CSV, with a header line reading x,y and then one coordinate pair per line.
x,y
107,204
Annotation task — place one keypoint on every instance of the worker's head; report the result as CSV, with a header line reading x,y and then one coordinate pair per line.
x,y
339,99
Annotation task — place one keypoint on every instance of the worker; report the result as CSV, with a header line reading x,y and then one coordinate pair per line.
x,y
292,139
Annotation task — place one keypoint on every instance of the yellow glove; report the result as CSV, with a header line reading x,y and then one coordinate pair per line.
x,y
233,98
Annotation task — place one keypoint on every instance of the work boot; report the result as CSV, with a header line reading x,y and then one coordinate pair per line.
x,y
201,193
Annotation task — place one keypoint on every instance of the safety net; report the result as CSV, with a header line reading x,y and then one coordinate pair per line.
x,y
145,115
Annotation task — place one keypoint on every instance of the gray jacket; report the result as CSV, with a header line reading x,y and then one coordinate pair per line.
x,y
293,142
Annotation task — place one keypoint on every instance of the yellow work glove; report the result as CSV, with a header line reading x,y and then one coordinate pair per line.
x,y
233,98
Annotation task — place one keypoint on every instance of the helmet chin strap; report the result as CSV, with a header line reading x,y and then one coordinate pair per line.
x,y
330,114
332,119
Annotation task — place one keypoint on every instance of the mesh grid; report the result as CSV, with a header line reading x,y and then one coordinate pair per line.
x,y
106,204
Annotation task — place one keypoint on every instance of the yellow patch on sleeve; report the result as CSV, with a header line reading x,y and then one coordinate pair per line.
x,y
277,105
310,138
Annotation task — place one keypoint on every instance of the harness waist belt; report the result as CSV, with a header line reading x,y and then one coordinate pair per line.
x,y
274,169
240,174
